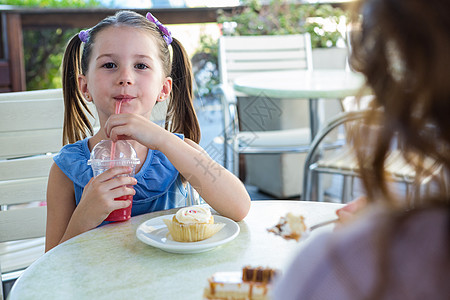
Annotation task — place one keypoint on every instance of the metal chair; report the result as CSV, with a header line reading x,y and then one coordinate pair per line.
x,y
339,159
240,55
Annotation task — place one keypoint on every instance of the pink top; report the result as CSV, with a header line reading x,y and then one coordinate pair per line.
x,y
344,265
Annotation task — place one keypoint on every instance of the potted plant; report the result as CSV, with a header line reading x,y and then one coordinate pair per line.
x,y
323,22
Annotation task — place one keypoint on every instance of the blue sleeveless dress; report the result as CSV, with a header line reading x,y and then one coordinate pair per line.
x,y
158,185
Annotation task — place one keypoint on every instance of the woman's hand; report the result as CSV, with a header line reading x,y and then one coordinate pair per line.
x,y
97,201
348,212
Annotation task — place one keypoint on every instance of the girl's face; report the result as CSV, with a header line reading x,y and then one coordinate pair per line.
x,y
124,66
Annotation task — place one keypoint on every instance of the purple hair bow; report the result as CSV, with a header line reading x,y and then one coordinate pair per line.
x,y
84,35
166,33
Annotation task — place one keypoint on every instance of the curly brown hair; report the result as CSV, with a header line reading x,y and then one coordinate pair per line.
x,y
402,48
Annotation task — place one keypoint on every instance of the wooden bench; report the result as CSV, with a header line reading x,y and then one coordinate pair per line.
x,y
30,135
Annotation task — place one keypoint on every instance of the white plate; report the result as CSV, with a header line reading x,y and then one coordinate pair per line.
x,y
155,233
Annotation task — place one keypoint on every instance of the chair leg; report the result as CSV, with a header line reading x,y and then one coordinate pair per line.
x,y
235,159
313,190
408,192
1,286
306,196
319,187
225,151
352,189
347,188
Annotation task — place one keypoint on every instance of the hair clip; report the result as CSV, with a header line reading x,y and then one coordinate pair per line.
x,y
166,33
84,35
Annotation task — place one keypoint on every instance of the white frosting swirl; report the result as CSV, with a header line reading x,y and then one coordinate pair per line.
x,y
193,214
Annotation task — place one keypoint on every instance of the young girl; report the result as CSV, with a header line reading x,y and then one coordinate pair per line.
x,y
392,248
135,60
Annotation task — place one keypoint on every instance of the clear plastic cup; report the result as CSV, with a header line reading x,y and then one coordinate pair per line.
x,y
101,160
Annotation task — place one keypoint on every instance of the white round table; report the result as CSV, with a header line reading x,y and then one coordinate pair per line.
x,y
312,85
111,263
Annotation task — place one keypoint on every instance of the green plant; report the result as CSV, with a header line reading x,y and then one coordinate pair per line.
x,y
43,52
44,47
278,17
204,65
283,17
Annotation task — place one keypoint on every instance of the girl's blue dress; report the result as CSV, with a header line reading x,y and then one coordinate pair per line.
x,y
158,185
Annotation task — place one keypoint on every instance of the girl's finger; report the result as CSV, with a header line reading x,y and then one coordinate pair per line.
x,y
120,204
114,172
120,132
114,122
117,187
122,191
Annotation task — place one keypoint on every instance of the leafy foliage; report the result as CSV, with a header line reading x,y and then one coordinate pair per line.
x,y
277,18
43,53
44,48
204,65
285,17
52,3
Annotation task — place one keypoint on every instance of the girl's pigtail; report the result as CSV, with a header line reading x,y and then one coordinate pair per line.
x,y
181,116
76,121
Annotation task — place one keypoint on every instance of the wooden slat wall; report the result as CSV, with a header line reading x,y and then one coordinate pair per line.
x,y
23,223
14,191
16,59
30,142
85,18
31,115
35,117
30,125
5,77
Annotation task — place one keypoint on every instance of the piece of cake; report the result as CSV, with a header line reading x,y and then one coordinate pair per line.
x,y
192,224
290,227
249,284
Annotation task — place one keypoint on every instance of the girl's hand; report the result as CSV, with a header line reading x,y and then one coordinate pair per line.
x,y
348,212
97,201
134,127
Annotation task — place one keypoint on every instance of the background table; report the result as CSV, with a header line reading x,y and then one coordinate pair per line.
x,y
302,84
111,263
312,85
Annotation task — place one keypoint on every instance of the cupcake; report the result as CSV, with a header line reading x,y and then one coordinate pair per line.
x,y
192,224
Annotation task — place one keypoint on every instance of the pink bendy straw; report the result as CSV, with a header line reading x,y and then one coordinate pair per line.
x,y
113,144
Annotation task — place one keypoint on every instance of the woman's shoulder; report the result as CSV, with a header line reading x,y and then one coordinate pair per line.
x,y
413,247
404,235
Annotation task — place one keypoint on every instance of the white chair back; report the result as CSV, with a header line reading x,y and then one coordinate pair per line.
x,y
245,55
31,126
241,55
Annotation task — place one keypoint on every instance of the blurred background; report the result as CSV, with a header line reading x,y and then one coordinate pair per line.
x,y
198,24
